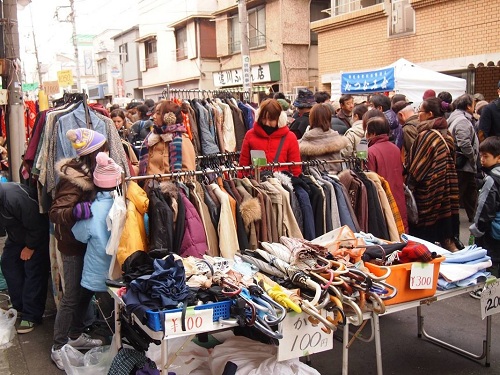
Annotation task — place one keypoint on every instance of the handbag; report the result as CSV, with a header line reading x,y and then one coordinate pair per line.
x,y
267,173
411,206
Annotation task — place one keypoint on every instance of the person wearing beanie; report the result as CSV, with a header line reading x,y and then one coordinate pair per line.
x,y
268,133
74,194
93,231
428,94
304,102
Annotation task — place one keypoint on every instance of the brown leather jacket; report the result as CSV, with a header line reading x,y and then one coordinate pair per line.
x,y
73,187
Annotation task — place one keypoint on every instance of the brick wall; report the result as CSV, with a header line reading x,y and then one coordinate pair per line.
x,y
486,81
444,29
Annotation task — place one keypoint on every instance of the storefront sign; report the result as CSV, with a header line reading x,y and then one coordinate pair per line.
x,y
30,86
301,338
51,87
194,321
65,78
237,77
490,299
365,82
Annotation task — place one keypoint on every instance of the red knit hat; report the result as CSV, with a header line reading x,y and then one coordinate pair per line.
x,y
429,94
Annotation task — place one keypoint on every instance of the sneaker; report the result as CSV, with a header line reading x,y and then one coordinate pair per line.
x,y
84,342
56,356
25,326
476,293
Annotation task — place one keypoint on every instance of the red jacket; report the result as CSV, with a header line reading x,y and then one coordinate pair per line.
x,y
258,139
384,160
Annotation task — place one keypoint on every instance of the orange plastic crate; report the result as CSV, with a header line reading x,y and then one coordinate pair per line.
x,y
400,279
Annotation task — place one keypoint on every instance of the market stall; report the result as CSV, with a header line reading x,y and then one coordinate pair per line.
x,y
402,77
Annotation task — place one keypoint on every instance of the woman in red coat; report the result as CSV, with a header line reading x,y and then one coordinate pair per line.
x,y
269,129
383,159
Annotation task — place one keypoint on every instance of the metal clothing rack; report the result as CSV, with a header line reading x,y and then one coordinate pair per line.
x,y
200,93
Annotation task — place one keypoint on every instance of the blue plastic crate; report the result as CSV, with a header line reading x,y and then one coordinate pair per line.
x,y
156,319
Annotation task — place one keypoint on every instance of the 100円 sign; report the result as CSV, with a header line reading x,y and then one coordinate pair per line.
x,y
301,337
490,299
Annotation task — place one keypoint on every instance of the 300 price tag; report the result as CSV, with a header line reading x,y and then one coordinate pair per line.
x,y
490,299
301,338
422,275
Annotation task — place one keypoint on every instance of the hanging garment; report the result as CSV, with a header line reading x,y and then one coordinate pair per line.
x,y
161,221
228,238
194,242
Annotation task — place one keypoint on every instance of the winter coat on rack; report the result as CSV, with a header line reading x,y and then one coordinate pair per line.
x,y
258,139
251,214
317,144
194,242
73,187
357,196
228,237
134,233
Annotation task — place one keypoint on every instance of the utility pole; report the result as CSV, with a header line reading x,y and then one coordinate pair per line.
x,y
38,67
75,45
16,133
245,51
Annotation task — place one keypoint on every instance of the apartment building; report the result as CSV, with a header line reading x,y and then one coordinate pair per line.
x,y
176,45
456,37
283,50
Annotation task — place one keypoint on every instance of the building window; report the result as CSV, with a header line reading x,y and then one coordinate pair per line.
x,y
151,54
348,6
257,27
402,17
256,30
102,68
181,43
123,50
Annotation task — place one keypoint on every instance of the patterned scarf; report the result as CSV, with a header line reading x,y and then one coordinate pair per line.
x,y
173,134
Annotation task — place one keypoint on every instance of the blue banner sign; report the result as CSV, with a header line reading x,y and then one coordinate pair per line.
x,y
370,81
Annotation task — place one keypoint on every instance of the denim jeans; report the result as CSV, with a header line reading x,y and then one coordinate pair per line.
x,y
74,304
27,280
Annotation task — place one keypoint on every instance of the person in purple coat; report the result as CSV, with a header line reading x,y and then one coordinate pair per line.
x,y
384,158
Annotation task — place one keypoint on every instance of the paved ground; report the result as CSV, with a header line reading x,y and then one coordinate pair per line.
x,y
456,319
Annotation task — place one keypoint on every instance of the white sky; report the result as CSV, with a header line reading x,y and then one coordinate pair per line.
x,y
53,36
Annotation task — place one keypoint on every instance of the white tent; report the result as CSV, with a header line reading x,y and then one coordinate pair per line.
x,y
412,80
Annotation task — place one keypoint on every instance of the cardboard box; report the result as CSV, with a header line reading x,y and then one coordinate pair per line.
x,y
400,279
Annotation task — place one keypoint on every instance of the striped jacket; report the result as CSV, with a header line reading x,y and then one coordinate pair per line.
x,y
431,173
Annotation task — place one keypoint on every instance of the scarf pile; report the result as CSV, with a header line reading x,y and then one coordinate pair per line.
x,y
173,134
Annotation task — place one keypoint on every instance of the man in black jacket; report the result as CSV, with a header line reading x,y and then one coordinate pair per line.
x,y
25,257
489,124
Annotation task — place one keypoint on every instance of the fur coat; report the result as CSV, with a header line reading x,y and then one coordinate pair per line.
x,y
317,144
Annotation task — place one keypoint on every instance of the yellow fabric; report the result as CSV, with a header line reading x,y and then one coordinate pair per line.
x,y
134,233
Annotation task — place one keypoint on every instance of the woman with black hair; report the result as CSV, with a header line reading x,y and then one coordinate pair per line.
x,y
432,177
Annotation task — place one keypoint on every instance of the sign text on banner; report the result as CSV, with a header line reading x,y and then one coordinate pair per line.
x,y
250,74
51,87
365,82
421,275
490,299
65,78
194,321
301,338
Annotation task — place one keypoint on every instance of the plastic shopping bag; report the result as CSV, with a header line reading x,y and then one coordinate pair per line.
x,y
7,331
95,361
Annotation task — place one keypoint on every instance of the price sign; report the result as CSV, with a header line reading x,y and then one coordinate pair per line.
x,y
301,338
65,78
51,87
422,275
490,299
194,321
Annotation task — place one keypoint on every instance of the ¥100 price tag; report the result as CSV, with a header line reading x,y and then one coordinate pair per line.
x,y
194,321
301,338
422,275
490,299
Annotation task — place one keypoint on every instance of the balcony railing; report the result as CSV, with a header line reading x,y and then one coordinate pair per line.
x,y
102,77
